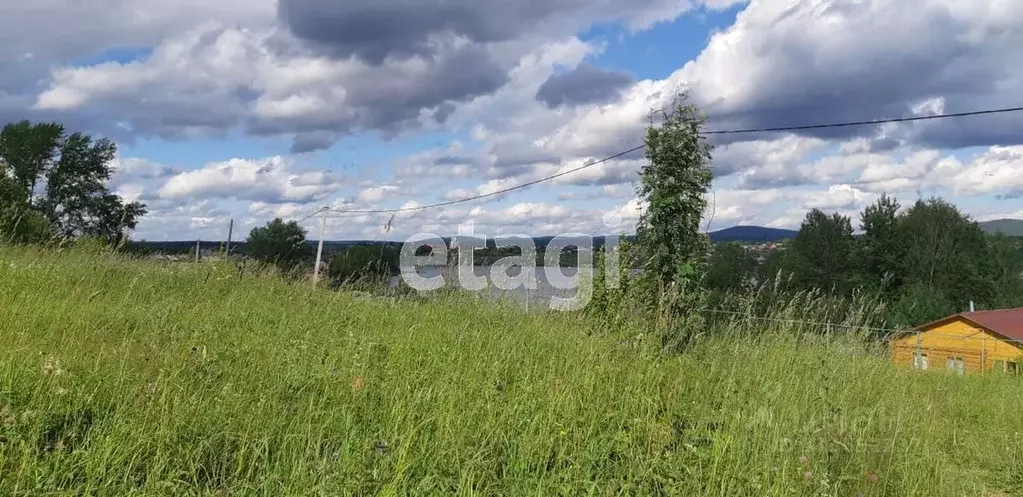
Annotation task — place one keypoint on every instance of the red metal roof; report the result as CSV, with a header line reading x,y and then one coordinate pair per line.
x,y
1005,322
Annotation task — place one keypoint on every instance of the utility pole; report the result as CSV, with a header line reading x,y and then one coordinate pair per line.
x,y
197,251
230,230
319,247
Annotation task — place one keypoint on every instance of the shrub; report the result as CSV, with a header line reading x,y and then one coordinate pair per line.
x,y
364,265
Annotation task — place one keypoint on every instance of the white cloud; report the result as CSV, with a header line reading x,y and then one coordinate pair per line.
x,y
270,180
378,193
999,170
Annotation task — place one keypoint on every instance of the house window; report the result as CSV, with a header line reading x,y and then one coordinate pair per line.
x,y
919,360
1012,367
999,366
956,365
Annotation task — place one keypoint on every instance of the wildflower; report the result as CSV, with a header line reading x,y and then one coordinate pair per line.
x,y
52,367
808,475
60,391
872,477
803,459
358,383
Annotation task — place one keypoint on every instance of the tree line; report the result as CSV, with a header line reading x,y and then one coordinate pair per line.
x,y
926,261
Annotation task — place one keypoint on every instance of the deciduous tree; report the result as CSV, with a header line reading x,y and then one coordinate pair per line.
x,y
62,178
820,256
280,243
880,250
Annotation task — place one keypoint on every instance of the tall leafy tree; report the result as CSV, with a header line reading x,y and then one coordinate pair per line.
x,y
28,152
674,184
947,251
62,178
280,243
880,250
821,254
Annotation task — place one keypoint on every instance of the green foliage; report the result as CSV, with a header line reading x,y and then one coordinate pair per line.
x,y
918,303
280,243
820,256
1006,257
28,153
927,262
612,286
947,251
364,265
674,185
19,224
730,267
881,249
75,170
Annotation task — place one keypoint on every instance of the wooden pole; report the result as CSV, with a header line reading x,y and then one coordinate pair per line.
x,y
197,251
230,230
319,249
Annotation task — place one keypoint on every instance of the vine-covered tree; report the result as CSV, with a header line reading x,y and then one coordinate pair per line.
x,y
57,183
674,185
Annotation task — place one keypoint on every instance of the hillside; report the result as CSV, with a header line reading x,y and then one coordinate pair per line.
x,y
1010,227
751,234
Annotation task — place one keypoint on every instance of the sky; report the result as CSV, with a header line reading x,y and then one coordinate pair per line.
x,y
255,109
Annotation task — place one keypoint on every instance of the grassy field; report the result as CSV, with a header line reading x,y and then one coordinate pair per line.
x,y
122,377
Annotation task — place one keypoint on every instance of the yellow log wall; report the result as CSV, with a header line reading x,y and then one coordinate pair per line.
x,y
978,348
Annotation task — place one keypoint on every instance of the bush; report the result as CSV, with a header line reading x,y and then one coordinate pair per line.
x,y
364,265
18,225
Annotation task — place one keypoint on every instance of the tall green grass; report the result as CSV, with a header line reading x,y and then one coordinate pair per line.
x,y
122,377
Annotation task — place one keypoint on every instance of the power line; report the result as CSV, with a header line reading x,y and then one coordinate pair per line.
x,y
634,149
866,123
491,194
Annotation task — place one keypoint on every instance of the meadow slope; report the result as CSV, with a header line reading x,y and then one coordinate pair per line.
x,y
122,377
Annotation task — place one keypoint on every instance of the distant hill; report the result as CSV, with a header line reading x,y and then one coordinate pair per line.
x,y
751,234
1009,227
748,234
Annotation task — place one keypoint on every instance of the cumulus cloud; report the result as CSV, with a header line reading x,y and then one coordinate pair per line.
x,y
514,75
375,30
997,171
325,69
378,193
270,180
583,85
824,61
